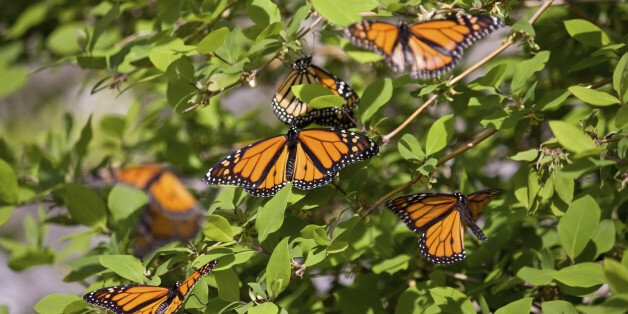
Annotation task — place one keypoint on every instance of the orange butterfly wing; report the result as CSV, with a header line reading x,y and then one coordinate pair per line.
x,y
437,45
259,167
381,37
293,111
146,299
426,49
478,200
187,285
128,298
420,211
322,153
439,218
443,242
139,176
168,192
311,159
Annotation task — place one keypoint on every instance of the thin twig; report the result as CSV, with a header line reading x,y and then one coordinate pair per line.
x,y
257,249
307,30
246,77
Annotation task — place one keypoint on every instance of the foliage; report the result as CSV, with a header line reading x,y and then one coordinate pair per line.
x,y
555,109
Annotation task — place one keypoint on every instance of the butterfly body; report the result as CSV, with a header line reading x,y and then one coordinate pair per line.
x,y
142,299
440,219
308,158
292,111
425,49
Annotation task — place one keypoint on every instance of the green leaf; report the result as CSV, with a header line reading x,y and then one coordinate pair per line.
x,y
8,184
578,224
572,137
270,30
564,187
102,24
525,69
124,200
91,62
299,16
113,125
616,275
376,95
270,216
54,303
593,97
524,193
410,148
337,247
307,92
580,167
125,266
620,78
535,276
278,269
263,12
552,100
63,40
502,119
427,167
264,308
526,155
316,233
604,237
490,80
84,205
80,148
228,284
524,26
343,13
327,101
5,214
586,33
439,134
558,306
450,300
169,10
581,275
212,41
167,51
217,228
392,265
33,15
621,118
520,306
317,95
12,79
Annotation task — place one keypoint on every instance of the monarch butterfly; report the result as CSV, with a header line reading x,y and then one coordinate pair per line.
x,y
308,158
146,299
292,111
172,211
427,49
438,217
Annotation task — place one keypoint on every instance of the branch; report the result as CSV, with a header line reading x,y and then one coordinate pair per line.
x,y
386,138
456,152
